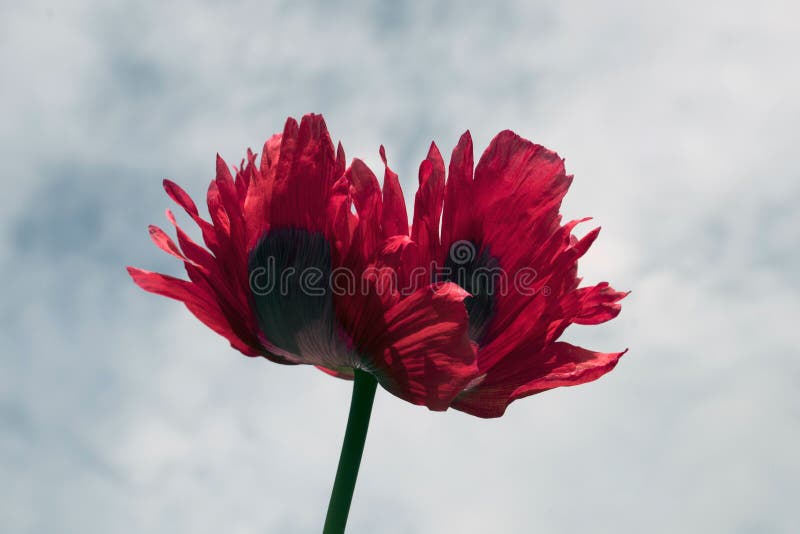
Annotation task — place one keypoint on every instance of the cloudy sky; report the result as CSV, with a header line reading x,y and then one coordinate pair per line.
x,y
120,413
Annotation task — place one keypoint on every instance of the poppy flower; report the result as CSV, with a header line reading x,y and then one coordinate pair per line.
x,y
503,241
299,212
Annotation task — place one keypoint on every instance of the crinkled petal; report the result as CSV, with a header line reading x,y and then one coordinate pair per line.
x,y
560,364
181,198
165,243
428,206
199,302
395,217
598,304
425,354
305,173
516,176
457,217
366,193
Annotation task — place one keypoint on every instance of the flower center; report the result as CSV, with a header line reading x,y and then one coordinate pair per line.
x,y
289,275
478,272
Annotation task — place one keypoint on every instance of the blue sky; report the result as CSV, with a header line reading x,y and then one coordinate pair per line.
x,y
121,413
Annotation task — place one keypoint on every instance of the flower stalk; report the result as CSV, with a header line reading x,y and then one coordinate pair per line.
x,y
364,385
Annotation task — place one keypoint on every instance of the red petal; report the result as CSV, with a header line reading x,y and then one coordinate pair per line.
x,y
270,153
570,365
258,198
560,364
181,198
216,210
395,216
598,304
305,174
287,149
518,190
457,219
201,304
401,255
163,241
525,327
564,267
524,322
428,205
243,176
194,252
427,355
342,220
229,201
367,197
220,279
341,160
517,170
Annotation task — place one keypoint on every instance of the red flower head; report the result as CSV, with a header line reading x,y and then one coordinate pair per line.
x,y
502,240
286,271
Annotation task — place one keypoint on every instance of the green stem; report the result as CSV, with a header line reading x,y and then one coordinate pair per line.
x,y
364,385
